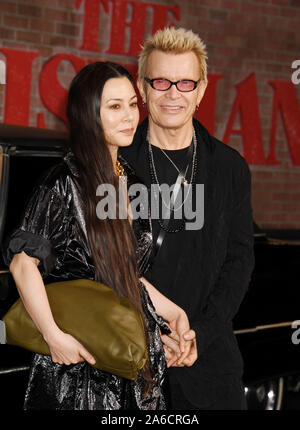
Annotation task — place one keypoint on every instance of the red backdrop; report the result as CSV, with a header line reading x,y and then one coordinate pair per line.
x,y
251,103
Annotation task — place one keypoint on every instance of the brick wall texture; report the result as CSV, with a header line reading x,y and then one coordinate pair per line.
x,y
242,37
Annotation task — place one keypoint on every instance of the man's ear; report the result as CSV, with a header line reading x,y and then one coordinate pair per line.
x,y
141,88
201,91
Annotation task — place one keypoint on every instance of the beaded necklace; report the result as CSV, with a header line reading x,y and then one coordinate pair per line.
x,y
154,179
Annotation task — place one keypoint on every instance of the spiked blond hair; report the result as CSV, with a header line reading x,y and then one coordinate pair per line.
x,y
177,41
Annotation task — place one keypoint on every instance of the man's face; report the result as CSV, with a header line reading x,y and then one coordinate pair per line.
x,y
171,108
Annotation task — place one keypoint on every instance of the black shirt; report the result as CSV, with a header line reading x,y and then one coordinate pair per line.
x,y
178,246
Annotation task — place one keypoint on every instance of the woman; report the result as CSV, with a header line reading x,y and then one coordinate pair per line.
x,y
61,238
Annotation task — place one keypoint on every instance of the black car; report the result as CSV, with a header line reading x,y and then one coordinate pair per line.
x,y
267,325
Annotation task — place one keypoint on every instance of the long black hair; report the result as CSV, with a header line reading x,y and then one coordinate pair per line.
x,y
112,241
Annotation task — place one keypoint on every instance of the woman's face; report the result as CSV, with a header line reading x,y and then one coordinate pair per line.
x,y
119,112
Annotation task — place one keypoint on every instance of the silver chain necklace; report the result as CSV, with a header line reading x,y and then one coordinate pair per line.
x,y
184,180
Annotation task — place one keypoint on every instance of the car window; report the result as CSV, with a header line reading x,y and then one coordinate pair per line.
x,y
25,172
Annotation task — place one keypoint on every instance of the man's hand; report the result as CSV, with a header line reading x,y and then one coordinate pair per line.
x,y
176,356
180,345
192,356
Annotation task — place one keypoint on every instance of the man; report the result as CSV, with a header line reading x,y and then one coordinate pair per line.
x,y
206,269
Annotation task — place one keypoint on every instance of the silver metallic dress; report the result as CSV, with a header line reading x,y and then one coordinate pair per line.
x,y
53,230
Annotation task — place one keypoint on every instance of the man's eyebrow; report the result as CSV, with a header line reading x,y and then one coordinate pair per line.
x,y
119,100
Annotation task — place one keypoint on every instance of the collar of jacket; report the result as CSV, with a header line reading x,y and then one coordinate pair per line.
x,y
201,133
69,159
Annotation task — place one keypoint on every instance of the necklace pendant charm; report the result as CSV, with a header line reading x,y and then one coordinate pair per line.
x,y
184,181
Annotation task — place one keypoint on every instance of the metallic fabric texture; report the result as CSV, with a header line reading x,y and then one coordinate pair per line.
x,y
53,230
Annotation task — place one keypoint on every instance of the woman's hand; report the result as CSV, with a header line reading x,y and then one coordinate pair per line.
x,y
181,343
65,349
180,326
174,356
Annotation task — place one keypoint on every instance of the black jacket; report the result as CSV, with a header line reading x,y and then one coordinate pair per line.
x,y
207,271
54,231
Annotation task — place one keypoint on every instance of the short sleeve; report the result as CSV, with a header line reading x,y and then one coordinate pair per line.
x,y
42,231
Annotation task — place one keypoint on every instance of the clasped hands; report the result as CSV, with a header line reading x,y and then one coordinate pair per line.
x,y
180,345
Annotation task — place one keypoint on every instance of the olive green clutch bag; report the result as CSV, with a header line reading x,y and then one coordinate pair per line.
x,y
108,326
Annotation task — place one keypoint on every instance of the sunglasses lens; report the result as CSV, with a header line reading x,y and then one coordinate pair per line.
x,y
164,84
161,84
186,85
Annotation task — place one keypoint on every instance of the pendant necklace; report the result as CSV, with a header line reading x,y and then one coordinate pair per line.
x,y
184,182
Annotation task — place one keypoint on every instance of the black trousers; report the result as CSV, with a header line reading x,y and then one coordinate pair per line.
x,y
230,397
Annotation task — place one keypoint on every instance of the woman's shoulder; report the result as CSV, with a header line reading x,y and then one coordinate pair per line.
x,y
58,178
